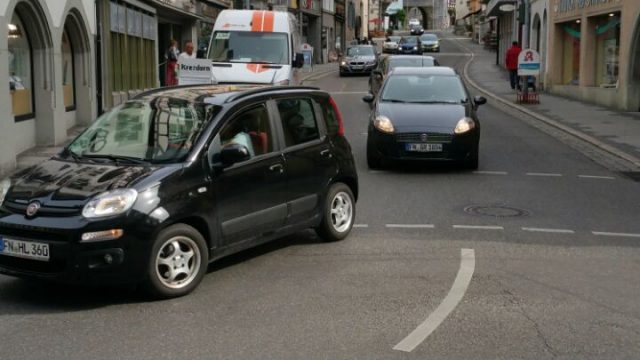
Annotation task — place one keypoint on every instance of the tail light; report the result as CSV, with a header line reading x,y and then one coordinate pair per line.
x,y
338,116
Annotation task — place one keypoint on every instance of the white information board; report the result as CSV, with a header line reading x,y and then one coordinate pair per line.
x,y
528,63
194,71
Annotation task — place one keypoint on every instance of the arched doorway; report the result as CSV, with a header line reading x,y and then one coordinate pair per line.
x,y
31,76
76,71
535,33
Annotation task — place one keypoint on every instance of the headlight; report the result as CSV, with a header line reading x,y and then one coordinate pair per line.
x,y
464,125
5,184
415,48
383,124
110,203
343,63
283,82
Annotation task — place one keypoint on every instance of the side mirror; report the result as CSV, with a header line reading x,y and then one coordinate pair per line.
x,y
298,62
479,100
368,98
234,153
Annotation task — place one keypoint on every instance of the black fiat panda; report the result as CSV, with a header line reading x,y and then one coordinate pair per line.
x,y
159,187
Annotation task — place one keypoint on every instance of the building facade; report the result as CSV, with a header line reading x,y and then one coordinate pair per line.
x,y
595,51
47,63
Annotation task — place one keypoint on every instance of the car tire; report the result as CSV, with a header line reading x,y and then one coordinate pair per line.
x,y
374,160
169,249
339,213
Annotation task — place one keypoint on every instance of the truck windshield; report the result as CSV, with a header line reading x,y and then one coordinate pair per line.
x,y
250,47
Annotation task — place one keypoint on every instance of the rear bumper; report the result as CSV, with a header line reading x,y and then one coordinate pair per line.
x,y
348,69
460,148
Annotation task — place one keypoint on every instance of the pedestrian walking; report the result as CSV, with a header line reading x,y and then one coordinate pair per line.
x,y
511,62
188,52
171,57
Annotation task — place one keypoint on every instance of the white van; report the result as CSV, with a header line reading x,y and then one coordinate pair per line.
x,y
255,46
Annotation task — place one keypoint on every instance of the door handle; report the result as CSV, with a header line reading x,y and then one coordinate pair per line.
x,y
326,153
277,167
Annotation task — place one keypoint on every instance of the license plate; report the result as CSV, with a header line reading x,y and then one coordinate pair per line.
x,y
424,147
24,249
358,67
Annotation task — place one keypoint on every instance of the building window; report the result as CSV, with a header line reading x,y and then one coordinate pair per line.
x,y
351,15
607,30
20,70
68,70
571,52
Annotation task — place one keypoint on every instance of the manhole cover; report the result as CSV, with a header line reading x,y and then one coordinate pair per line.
x,y
495,211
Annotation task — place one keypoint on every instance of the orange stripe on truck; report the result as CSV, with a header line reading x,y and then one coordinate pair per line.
x,y
261,21
268,21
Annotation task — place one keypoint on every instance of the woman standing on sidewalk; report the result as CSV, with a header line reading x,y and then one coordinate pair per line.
x,y
172,61
511,61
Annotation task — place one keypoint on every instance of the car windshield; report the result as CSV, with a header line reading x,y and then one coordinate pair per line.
x,y
394,39
429,37
409,40
410,62
249,47
162,131
360,51
424,89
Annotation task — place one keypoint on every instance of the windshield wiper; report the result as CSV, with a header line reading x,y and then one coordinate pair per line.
x,y
118,158
66,152
433,102
394,100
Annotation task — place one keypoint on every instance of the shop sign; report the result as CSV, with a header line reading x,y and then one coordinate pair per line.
x,y
194,71
570,5
312,5
528,63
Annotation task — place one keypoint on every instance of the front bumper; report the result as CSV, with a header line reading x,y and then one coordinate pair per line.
x,y
72,261
454,147
357,69
435,48
411,50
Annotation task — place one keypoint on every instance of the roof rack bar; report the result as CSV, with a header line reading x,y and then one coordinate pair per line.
x,y
246,93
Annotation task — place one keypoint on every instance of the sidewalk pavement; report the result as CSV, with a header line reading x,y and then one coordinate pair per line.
x,y
39,154
613,131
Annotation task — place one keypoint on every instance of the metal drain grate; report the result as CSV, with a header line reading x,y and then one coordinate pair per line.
x,y
495,211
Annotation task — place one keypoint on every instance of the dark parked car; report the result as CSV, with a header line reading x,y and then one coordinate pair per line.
x,y
416,30
423,114
430,42
410,45
388,63
359,59
162,185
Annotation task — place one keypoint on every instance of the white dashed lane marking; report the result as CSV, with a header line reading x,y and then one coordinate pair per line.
x,y
555,231
410,226
361,225
601,233
448,304
596,177
478,227
543,174
490,172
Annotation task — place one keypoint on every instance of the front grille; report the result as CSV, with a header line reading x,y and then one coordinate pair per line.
x,y
34,232
45,267
418,138
54,211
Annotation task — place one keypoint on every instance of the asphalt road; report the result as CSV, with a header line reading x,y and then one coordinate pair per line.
x,y
556,279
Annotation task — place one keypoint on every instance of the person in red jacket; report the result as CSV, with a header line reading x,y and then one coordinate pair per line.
x,y
512,64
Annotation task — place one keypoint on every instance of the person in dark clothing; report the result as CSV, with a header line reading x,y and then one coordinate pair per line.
x,y
511,62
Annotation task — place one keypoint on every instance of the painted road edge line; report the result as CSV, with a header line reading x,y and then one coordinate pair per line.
x,y
543,174
448,304
410,226
603,233
555,231
596,177
478,227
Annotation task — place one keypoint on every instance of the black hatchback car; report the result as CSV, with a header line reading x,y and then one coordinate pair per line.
x,y
162,185
423,114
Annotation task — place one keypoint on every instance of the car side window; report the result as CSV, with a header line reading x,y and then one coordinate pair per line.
x,y
249,128
299,122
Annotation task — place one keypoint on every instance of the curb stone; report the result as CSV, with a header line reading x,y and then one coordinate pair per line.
x,y
587,138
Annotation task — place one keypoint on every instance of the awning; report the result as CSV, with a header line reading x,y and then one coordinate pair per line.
x,y
393,8
493,8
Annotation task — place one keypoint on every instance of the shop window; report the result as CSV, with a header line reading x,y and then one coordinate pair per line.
x,y
68,70
20,70
607,30
571,52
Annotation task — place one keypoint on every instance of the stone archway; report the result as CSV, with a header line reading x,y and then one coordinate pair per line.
x,y
420,14
36,23
76,71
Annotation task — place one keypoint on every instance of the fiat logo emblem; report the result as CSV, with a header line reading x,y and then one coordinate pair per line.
x,y
33,208
423,137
